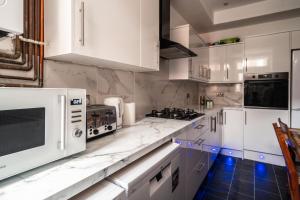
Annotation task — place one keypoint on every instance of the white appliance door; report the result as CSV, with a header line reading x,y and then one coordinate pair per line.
x,y
161,185
295,118
30,128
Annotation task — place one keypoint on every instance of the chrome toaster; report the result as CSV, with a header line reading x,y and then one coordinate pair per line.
x,y
100,120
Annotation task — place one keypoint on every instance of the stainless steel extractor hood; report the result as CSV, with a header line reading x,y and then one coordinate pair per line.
x,y
170,49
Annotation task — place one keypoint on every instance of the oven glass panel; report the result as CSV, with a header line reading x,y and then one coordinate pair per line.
x,y
267,94
21,129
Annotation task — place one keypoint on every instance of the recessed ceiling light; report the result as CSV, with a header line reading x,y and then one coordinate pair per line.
x,y
225,3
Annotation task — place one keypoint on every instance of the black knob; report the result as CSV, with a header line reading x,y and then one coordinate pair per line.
x,y
78,133
109,127
95,132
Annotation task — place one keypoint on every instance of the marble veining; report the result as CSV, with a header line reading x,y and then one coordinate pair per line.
x,y
67,177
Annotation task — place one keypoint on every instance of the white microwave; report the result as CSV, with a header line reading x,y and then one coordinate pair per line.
x,y
38,126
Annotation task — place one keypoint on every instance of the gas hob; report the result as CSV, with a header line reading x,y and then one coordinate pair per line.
x,y
175,113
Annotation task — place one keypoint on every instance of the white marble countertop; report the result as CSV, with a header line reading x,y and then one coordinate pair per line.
x,y
66,178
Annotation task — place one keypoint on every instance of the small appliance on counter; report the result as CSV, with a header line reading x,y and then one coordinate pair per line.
x,y
129,114
175,113
36,131
118,103
209,104
100,120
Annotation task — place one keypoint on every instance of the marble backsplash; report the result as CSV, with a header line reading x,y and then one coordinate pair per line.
x,y
233,94
150,90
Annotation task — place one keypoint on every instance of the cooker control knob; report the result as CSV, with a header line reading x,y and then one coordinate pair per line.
x,y
78,133
109,127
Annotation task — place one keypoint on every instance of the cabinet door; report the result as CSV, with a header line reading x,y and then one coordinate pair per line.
x,y
267,54
234,63
259,134
150,34
296,40
217,64
201,61
108,30
233,125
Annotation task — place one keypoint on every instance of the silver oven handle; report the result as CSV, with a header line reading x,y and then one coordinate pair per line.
x,y
62,99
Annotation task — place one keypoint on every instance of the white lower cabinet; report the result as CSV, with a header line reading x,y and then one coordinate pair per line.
x,y
103,190
196,169
259,135
233,129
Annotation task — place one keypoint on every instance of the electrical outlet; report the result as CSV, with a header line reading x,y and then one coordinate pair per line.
x,y
220,94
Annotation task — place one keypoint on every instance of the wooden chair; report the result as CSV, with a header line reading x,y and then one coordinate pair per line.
x,y
293,177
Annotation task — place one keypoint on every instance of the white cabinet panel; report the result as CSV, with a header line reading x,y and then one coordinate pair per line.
x,y
111,30
150,34
233,125
268,53
112,34
296,40
235,63
259,134
217,64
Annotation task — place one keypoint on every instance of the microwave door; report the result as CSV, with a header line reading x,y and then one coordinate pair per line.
x,y
31,126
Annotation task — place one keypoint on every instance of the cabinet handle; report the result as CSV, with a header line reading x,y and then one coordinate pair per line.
x,y
211,124
227,74
245,117
81,40
225,118
62,100
215,124
158,50
246,64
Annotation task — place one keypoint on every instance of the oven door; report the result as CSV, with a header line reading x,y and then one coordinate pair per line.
x,y
31,124
269,94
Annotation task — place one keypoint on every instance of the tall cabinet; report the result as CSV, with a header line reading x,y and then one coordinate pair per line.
x,y
115,33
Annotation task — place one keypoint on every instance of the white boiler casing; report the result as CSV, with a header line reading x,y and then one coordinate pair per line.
x,y
11,16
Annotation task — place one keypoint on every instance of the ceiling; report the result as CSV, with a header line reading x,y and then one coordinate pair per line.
x,y
212,15
216,5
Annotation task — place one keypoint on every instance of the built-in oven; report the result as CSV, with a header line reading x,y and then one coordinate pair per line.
x,y
267,91
38,126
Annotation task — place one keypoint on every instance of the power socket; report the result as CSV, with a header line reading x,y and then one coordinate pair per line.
x,y
220,94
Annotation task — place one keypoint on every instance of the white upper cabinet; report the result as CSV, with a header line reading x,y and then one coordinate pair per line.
x,y
226,63
195,68
268,53
296,40
217,64
150,34
235,63
114,34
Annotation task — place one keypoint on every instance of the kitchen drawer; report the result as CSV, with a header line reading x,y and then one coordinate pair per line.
x,y
192,157
233,153
196,177
264,157
197,129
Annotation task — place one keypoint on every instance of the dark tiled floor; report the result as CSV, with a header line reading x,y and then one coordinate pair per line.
x,y
236,179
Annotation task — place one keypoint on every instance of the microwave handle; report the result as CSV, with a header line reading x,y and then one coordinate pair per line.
x,y
62,99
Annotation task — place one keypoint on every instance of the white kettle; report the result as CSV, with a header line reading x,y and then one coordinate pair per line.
x,y
118,103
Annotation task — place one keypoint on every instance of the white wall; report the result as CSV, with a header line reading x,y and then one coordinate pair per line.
x,y
257,29
176,18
